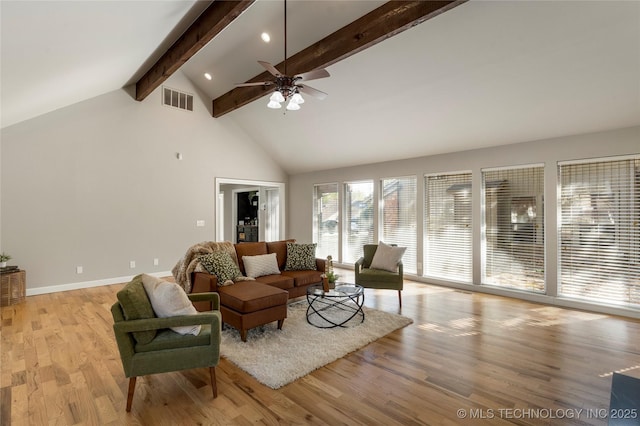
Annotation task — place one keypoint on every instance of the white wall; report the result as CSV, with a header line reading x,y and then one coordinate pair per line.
x,y
98,184
549,152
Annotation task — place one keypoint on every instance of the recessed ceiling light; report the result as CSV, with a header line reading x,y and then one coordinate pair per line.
x,y
207,76
265,37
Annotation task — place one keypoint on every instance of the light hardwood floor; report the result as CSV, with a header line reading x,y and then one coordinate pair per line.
x,y
491,359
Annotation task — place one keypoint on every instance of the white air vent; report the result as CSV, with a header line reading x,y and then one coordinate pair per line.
x,y
175,98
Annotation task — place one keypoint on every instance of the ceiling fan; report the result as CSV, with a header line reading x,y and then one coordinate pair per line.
x,y
289,87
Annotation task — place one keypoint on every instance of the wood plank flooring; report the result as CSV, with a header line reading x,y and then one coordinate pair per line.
x,y
467,359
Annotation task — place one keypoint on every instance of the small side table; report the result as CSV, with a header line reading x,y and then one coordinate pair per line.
x,y
335,308
12,287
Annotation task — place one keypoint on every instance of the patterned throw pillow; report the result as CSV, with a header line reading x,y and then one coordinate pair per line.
x,y
222,266
300,257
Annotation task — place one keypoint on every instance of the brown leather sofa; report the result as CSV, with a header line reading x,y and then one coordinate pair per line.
x,y
248,304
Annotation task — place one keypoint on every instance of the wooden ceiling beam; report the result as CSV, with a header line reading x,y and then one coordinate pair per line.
x,y
209,24
378,25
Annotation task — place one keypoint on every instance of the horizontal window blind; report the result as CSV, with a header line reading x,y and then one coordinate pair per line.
x,y
513,219
600,231
447,230
399,217
326,216
358,219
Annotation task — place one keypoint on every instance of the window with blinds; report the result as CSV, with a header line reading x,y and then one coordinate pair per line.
x,y
358,219
599,235
513,222
447,227
398,217
326,215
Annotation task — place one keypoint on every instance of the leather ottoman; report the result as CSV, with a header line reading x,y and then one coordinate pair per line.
x,y
248,304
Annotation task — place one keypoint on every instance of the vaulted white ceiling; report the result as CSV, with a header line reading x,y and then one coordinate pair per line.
x,y
482,74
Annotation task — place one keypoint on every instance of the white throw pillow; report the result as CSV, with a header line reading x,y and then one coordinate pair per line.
x,y
169,300
260,265
387,257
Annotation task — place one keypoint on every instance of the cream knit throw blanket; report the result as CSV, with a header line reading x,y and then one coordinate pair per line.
x,y
190,262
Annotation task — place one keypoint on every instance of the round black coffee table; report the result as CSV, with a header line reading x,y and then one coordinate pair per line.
x,y
336,307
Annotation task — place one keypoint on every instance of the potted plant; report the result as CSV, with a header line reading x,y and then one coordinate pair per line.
x,y
3,259
329,274
332,277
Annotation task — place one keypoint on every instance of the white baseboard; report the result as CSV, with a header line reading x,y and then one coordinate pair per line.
x,y
88,284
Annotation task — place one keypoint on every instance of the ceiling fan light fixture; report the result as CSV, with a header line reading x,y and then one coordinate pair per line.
x,y
293,106
285,85
277,97
297,98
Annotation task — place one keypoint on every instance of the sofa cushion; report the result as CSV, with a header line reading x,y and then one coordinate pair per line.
x,y
250,296
222,266
260,265
169,300
303,278
387,257
249,249
136,305
280,280
300,257
280,249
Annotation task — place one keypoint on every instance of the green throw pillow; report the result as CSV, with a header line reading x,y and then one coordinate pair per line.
x,y
221,265
300,257
136,305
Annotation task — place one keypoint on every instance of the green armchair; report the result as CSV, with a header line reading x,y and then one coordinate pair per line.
x,y
164,350
367,277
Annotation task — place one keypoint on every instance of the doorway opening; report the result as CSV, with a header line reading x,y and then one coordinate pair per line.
x,y
248,210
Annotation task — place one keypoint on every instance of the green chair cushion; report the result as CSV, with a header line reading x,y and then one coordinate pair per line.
x,y
378,275
136,305
169,339
369,251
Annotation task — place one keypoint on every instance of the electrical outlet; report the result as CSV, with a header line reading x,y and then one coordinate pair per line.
x,y
78,269
199,223
156,262
132,264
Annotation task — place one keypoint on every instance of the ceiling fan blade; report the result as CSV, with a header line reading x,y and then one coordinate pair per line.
x,y
312,92
273,70
313,75
260,83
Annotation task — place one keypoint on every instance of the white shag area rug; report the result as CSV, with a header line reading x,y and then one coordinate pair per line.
x,y
278,357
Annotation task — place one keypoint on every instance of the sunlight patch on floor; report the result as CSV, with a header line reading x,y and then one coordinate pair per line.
x,y
624,370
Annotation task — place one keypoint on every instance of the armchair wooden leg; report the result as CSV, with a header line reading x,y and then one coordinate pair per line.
x,y
132,388
400,297
243,335
214,385
280,322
